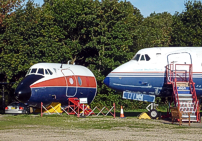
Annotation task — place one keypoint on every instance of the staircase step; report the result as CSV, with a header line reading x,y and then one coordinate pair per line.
x,y
183,99
193,120
184,92
187,110
185,95
185,104
191,115
187,107
182,84
187,118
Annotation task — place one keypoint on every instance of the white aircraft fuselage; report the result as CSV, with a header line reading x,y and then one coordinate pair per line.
x,y
146,72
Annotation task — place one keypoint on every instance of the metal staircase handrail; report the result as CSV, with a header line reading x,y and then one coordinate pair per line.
x,y
191,82
176,92
193,91
171,74
174,83
172,78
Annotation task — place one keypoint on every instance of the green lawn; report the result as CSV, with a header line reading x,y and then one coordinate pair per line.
x,y
67,121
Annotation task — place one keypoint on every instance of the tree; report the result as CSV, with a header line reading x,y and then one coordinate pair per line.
x,y
155,31
111,43
187,26
7,7
98,34
6,12
30,37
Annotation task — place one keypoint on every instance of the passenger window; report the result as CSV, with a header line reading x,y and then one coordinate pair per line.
x,y
80,81
33,70
50,72
142,58
46,72
147,57
136,57
40,71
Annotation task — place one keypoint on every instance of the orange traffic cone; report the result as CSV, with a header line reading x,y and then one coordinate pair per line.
x,y
122,114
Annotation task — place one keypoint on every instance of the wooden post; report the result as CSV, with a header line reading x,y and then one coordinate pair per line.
x,y
78,114
114,110
41,109
189,117
3,99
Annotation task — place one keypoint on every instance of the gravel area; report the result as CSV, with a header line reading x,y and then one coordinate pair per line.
x,y
163,130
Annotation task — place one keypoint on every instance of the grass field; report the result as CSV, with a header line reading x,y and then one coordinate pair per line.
x,y
66,121
69,127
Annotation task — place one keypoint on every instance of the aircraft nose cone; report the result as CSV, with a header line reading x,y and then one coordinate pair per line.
x,y
23,91
106,81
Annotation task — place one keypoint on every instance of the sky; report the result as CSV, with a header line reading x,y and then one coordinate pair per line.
x,y
147,7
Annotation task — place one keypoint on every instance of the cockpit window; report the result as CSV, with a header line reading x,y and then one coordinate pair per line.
x,y
46,72
40,71
33,70
137,56
147,57
142,58
28,71
50,71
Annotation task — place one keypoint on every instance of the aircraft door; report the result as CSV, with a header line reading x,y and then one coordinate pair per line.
x,y
71,82
179,58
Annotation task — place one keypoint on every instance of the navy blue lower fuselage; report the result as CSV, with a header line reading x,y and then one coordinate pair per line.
x,y
151,85
34,96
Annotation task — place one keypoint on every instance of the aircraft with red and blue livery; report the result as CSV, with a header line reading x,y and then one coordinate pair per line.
x,y
55,82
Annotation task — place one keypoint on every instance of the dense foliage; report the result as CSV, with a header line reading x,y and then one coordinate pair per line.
x,y
100,35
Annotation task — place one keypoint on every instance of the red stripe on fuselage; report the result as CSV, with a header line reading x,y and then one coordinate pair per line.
x,y
71,81
89,82
60,81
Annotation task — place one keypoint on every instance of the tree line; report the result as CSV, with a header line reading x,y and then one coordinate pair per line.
x,y
100,35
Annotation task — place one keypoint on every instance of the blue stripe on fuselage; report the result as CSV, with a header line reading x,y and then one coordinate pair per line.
x,y
147,84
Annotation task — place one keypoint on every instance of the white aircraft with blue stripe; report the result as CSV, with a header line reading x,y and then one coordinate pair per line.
x,y
144,76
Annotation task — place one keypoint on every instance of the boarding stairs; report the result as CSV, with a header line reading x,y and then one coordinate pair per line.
x,y
184,94
74,106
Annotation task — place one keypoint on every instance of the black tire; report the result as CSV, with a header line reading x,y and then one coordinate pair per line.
x,y
28,110
153,114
